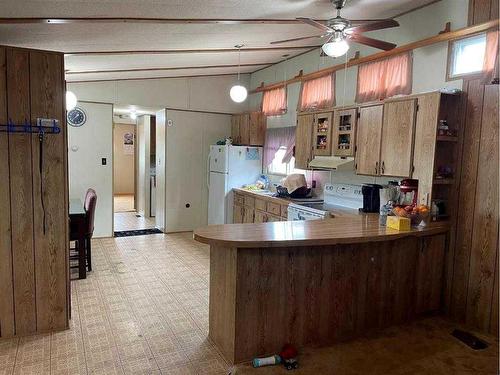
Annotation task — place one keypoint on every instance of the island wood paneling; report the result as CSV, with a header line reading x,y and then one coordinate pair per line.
x,y
33,257
319,295
6,291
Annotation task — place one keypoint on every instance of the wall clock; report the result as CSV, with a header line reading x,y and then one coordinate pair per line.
x,y
77,117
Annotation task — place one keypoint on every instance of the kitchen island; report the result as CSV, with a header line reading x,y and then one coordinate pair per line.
x,y
317,282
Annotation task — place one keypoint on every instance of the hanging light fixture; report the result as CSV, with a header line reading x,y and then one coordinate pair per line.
x,y
71,100
336,46
238,93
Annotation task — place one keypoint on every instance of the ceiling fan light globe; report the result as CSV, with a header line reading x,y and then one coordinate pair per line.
x,y
238,93
336,48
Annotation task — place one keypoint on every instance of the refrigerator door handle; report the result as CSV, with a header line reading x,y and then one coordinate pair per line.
x,y
208,171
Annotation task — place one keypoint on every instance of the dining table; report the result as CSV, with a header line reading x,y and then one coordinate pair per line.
x,y
78,227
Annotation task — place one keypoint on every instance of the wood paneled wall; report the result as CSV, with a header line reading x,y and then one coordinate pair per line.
x,y
34,285
474,283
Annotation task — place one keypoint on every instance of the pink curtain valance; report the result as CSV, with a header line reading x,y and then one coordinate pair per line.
x,y
317,93
274,102
384,78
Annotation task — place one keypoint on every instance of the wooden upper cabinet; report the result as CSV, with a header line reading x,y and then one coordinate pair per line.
x,y
245,129
303,140
322,139
369,135
235,129
396,154
248,129
344,132
258,125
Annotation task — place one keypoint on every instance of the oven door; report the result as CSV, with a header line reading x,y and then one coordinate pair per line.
x,y
299,214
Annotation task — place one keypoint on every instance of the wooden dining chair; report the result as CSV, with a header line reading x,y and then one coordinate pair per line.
x,y
89,206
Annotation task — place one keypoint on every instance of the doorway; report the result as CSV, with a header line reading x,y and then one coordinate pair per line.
x,y
133,174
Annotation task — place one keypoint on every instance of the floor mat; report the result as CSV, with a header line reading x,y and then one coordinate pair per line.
x,y
138,232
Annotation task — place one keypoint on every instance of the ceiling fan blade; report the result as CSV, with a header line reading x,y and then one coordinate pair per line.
x,y
316,24
378,25
380,44
297,39
357,22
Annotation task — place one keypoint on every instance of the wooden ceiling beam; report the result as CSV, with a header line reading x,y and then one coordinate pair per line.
x,y
442,37
150,78
189,51
188,21
69,72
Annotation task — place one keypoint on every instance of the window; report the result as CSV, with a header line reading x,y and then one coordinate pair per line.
x,y
467,56
274,102
317,93
277,166
384,78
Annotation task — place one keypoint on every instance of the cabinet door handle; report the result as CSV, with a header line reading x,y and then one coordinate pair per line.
x,y
383,167
376,167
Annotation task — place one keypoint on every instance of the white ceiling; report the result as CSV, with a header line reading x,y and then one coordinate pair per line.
x,y
130,36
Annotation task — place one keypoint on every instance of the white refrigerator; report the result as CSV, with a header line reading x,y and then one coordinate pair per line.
x,y
229,167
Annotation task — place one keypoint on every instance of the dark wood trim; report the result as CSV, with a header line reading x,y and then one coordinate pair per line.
x,y
164,68
198,111
174,51
148,78
193,21
457,34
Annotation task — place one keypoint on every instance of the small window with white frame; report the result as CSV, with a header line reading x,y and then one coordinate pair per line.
x,y
466,56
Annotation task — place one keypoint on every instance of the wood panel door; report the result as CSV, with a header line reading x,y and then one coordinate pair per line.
x,y
258,126
430,272
303,141
396,152
368,139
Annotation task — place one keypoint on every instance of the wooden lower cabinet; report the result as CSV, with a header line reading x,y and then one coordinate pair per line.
x,y
237,214
248,215
249,209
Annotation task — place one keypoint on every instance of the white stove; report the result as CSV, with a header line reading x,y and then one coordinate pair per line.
x,y
335,196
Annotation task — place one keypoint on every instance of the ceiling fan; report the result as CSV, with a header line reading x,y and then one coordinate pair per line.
x,y
338,30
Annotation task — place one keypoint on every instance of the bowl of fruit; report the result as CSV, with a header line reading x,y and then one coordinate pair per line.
x,y
417,214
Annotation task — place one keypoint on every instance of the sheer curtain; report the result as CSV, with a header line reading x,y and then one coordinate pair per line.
x,y
490,67
317,93
277,138
385,78
274,102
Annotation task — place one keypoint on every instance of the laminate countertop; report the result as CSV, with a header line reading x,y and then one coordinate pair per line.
x,y
337,230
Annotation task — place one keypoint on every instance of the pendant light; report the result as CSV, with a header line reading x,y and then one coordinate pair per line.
x,y
71,100
238,93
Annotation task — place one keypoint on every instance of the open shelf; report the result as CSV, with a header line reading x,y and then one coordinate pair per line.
x,y
443,181
447,138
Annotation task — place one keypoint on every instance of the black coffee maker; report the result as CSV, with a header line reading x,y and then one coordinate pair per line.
x,y
371,197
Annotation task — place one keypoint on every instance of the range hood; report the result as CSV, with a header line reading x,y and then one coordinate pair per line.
x,y
332,162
